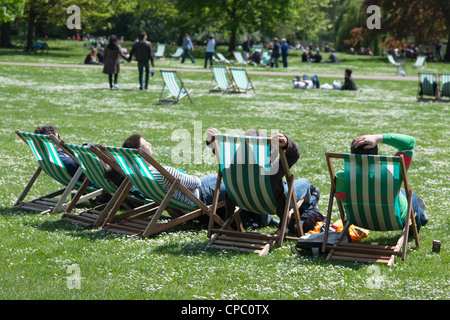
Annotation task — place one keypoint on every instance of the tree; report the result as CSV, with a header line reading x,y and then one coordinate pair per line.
x,y
9,10
425,20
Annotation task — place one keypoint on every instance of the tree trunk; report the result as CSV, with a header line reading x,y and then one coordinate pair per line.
x,y
447,52
30,31
232,44
5,41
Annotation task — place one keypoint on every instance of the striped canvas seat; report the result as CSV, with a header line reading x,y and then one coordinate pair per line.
x,y
44,148
245,165
427,86
392,60
134,164
420,62
220,78
94,171
177,53
265,59
176,88
241,79
160,51
222,58
445,86
240,59
370,201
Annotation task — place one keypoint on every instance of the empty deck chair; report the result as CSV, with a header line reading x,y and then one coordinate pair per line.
x,y
372,185
160,51
176,88
222,58
177,53
392,60
444,87
220,80
420,62
265,59
44,148
134,164
245,166
239,58
241,80
427,87
94,170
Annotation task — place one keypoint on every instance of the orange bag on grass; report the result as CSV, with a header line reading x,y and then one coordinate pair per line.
x,y
356,233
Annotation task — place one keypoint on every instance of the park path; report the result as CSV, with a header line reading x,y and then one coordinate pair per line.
x,y
273,73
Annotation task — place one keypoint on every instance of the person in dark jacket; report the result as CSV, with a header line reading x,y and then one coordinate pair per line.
x,y
111,56
284,52
349,83
142,49
275,52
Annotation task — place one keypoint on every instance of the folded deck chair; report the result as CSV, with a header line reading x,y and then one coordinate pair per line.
x,y
134,164
392,60
427,87
245,166
223,59
44,148
420,62
94,171
239,58
176,88
372,185
177,53
160,51
220,80
241,80
445,87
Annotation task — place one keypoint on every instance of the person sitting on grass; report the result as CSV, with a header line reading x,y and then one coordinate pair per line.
x,y
368,144
90,58
349,83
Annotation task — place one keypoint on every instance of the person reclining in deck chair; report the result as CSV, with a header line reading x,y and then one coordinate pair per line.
x,y
203,188
303,189
368,144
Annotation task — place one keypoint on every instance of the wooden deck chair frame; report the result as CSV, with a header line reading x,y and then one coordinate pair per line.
x,y
179,212
420,62
93,170
160,51
178,53
428,90
175,86
249,241
241,80
366,251
239,58
54,168
444,87
221,80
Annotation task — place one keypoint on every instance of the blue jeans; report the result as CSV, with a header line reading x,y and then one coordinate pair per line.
x,y
275,62
208,187
285,63
187,53
314,79
420,214
141,67
209,56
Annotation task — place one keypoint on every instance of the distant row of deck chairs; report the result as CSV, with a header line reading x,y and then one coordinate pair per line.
x,y
434,87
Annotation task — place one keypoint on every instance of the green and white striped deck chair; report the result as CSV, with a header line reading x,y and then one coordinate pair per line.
x,y
392,61
372,188
445,87
176,88
427,87
160,51
94,171
223,59
265,59
239,58
246,166
420,62
241,80
134,164
44,148
257,48
221,80
177,53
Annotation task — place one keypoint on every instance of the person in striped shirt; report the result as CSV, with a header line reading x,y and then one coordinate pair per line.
x,y
368,144
203,188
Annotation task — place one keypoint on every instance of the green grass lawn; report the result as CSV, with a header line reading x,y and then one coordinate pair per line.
x,y
38,253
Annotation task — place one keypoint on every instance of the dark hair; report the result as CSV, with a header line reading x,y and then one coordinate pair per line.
x,y
112,42
133,142
142,35
47,130
361,150
348,71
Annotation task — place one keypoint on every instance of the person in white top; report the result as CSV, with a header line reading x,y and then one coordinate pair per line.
x,y
210,47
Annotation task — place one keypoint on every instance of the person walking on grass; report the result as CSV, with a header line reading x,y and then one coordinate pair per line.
x,y
111,57
187,46
210,46
142,49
